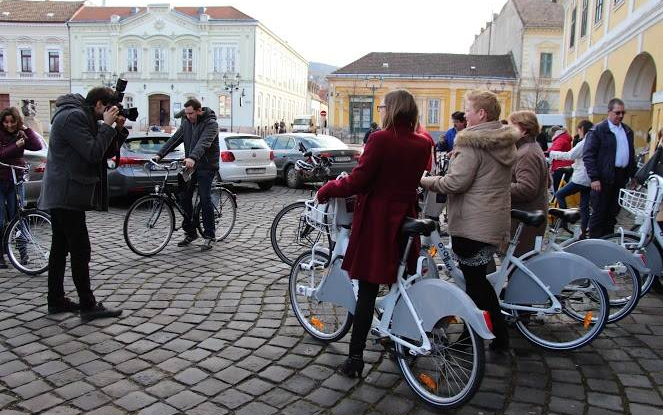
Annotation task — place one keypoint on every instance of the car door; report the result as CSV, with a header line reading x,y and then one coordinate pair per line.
x,y
280,153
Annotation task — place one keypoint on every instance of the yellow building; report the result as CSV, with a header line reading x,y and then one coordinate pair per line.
x,y
438,82
612,48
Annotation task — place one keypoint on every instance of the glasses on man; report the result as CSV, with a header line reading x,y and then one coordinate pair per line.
x,y
619,112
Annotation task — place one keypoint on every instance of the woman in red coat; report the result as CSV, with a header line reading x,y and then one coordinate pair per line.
x,y
385,182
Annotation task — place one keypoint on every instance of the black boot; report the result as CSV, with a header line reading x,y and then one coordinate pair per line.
x,y
352,367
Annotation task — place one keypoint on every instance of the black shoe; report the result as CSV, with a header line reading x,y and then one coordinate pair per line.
x,y
3,264
208,244
187,240
499,346
99,311
64,306
25,259
352,367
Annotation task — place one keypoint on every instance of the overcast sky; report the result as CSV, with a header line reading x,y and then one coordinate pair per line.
x,y
338,32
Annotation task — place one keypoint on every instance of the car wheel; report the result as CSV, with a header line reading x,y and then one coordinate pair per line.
x,y
292,178
266,185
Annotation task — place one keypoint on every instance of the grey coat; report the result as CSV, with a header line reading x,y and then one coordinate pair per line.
x,y
201,141
75,175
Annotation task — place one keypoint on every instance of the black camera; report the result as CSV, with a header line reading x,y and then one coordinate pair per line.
x,y
128,113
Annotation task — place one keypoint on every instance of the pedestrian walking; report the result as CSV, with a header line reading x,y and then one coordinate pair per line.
x,y
561,141
15,138
385,182
74,182
609,159
579,180
478,186
374,128
529,178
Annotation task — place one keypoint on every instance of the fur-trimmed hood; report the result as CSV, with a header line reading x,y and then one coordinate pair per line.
x,y
497,140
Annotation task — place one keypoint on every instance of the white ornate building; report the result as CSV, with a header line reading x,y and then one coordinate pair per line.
x,y
170,54
34,54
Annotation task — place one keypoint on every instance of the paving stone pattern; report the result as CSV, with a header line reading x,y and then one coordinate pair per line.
x,y
213,334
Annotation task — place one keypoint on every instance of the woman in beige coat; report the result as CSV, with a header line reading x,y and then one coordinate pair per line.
x,y
529,178
478,185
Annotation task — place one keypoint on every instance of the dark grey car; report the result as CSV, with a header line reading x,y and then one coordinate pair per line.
x,y
37,162
131,177
286,154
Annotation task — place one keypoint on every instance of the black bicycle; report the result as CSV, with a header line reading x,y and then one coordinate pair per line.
x,y
27,237
150,221
290,234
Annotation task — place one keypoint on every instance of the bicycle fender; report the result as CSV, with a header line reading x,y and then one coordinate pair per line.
x,y
337,287
555,270
652,254
601,253
434,299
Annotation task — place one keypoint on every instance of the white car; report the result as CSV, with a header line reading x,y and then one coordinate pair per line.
x,y
246,158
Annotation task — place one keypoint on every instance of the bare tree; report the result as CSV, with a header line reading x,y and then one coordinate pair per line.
x,y
536,94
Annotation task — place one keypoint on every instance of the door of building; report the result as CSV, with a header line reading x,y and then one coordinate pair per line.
x,y
361,114
4,101
159,110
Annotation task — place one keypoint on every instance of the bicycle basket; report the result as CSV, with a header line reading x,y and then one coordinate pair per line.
x,y
318,217
637,203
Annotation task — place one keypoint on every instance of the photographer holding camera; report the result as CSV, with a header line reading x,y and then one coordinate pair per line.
x,y
74,182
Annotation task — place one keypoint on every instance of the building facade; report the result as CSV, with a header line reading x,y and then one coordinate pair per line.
x,y
34,56
531,31
438,82
612,48
218,55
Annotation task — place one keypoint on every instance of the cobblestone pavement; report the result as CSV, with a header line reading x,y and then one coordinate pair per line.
x,y
213,334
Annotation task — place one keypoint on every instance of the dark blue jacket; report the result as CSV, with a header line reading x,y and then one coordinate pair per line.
x,y
599,153
446,142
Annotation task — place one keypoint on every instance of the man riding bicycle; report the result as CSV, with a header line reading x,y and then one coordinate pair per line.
x,y
200,134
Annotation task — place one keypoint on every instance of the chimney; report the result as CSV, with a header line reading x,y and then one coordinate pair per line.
x,y
385,65
115,18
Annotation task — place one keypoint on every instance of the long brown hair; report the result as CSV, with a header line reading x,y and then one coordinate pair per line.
x,y
400,107
12,111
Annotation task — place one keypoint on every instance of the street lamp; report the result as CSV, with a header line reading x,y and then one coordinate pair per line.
x,y
231,84
374,83
111,81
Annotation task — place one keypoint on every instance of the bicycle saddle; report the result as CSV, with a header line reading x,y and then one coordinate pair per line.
x,y
534,218
413,227
569,215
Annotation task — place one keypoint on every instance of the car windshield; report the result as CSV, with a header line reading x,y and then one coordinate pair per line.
x,y
324,141
246,143
302,121
147,144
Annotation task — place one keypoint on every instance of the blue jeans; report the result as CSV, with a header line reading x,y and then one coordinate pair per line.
x,y
204,179
572,188
8,198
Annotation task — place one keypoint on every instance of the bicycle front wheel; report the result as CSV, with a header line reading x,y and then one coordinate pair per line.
x,y
225,213
148,225
28,241
451,374
323,320
291,235
585,310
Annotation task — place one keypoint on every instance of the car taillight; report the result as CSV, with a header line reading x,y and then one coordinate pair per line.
x,y
131,161
271,155
328,155
41,168
227,156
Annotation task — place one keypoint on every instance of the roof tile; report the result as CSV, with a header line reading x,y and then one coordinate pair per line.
x,y
38,11
540,13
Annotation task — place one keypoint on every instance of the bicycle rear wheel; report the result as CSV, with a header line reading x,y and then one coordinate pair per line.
x,y
452,373
291,235
148,225
585,311
324,321
225,213
28,242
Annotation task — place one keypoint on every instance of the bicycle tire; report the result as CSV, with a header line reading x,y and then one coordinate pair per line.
x,y
646,281
427,382
29,236
292,236
225,213
561,330
313,319
153,213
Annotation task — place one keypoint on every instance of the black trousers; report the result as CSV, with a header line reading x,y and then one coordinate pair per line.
x,y
558,175
204,179
363,317
70,236
479,288
605,205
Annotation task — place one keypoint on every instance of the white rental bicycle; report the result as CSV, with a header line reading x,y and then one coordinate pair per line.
x,y
557,300
436,328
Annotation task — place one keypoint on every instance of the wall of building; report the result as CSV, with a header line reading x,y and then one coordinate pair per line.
x,y
535,88
503,36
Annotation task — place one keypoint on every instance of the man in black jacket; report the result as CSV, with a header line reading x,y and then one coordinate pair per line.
x,y
200,134
610,162
75,181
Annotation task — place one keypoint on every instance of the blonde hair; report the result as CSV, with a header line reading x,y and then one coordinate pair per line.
x,y
487,101
400,107
527,122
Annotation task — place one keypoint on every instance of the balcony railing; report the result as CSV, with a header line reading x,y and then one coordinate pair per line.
x,y
26,75
131,75
186,75
53,75
159,75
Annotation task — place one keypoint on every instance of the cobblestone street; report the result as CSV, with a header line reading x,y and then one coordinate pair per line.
x,y
213,334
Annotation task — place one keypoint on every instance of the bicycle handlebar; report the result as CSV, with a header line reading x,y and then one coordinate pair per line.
x,y
153,165
11,166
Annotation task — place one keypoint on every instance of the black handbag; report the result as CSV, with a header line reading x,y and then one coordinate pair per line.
x,y
651,166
